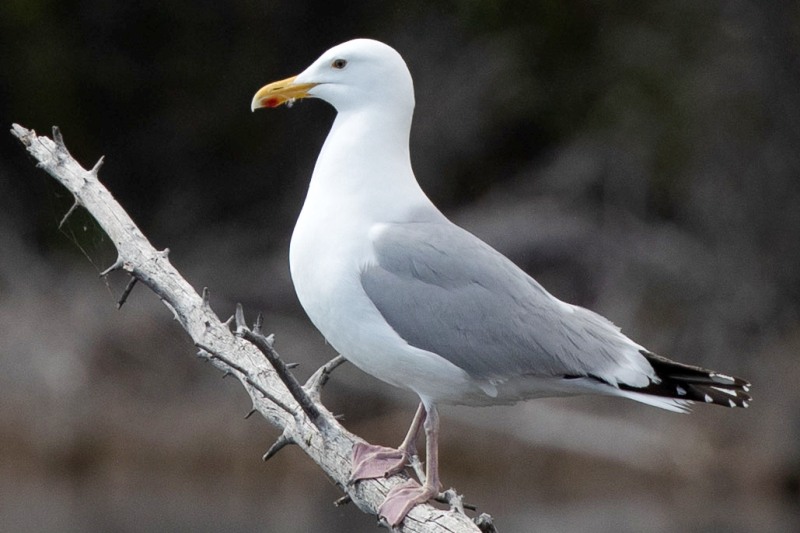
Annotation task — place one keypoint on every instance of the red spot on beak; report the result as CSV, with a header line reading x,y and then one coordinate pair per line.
x,y
272,102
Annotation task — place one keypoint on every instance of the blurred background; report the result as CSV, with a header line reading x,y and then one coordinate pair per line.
x,y
639,158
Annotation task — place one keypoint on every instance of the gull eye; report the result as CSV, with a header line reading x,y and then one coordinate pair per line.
x,y
339,64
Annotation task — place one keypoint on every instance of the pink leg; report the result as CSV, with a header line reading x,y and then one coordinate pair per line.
x,y
370,461
403,498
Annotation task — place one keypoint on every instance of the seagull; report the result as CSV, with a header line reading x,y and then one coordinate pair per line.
x,y
420,303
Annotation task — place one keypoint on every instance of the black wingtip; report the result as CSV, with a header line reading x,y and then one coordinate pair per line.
x,y
688,382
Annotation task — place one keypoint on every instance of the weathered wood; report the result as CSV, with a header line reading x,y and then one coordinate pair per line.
x,y
328,443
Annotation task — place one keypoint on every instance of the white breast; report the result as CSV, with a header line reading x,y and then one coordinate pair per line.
x,y
326,255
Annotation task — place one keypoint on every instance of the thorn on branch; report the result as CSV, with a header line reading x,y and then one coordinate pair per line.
x,y
320,377
250,413
283,441
118,264
175,316
455,501
258,323
291,366
344,500
71,210
127,292
61,154
246,375
57,137
206,298
265,347
239,316
485,523
59,140
96,168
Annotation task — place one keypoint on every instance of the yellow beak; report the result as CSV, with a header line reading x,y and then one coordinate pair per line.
x,y
280,92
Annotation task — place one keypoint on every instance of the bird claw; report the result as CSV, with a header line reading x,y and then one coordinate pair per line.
x,y
402,498
371,461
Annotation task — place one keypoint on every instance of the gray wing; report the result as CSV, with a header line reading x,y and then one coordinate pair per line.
x,y
445,291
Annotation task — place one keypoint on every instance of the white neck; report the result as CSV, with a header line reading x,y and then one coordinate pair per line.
x,y
365,166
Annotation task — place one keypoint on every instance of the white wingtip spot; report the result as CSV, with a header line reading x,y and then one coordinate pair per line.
x,y
680,390
726,391
488,388
731,403
707,398
745,405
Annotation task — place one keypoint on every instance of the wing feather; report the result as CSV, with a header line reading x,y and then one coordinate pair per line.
x,y
445,291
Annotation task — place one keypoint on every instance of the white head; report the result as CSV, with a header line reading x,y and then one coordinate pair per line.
x,y
349,76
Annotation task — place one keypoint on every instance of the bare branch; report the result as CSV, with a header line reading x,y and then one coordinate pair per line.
x,y
318,433
248,379
127,292
264,345
320,378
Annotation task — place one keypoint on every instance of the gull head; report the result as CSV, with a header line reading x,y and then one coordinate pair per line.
x,y
350,76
